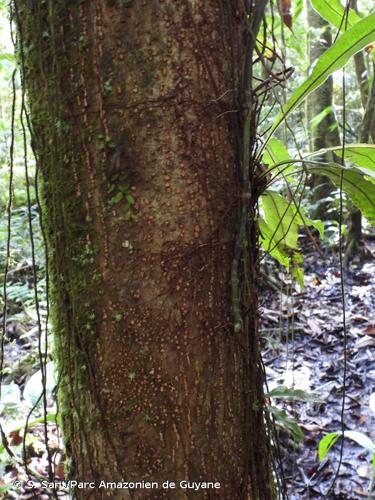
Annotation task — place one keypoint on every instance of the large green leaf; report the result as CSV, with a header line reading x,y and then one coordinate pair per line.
x,y
266,239
281,219
360,190
279,231
276,153
287,423
326,443
333,11
283,392
361,439
363,155
336,57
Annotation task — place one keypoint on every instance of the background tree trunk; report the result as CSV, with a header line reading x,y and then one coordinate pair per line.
x,y
367,132
139,165
355,222
326,133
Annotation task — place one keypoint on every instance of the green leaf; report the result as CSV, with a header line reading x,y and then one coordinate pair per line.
x,y
297,271
287,423
276,153
329,440
281,218
362,155
336,57
326,443
333,11
283,392
361,439
359,190
130,199
279,231
19,425
116,198
320,116
263,47
7,57
266,235
298,274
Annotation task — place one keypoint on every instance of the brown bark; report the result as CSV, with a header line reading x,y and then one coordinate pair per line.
x,y
129,104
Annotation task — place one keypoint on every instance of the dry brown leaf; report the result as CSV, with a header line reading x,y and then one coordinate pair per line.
x,y
365,341
369,330
370,48
286,13
15,438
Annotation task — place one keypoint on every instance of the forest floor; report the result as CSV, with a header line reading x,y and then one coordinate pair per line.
x,y
304,350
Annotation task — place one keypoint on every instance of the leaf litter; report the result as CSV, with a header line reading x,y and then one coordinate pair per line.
x,y
303,341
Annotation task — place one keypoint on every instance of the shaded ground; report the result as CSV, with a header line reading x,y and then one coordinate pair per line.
x,y
305,349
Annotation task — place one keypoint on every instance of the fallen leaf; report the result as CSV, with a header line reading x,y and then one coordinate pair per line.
x,y
286,13
364,342
370,48
364,471
369,330
15,438
315,328
361,493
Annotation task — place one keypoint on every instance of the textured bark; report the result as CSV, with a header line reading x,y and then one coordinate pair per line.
x,y
326,133
129,105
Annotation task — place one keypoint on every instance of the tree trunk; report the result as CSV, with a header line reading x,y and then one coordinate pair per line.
x,y
355,245
361,68
326,133
130,105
